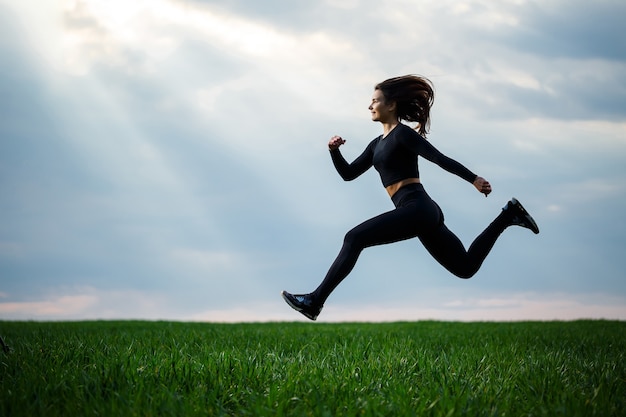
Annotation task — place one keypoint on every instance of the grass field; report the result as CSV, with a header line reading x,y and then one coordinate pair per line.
x,y
426,368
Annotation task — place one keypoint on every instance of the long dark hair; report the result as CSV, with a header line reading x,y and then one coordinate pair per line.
x,y
414,97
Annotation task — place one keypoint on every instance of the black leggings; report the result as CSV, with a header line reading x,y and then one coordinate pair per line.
x,y
415,215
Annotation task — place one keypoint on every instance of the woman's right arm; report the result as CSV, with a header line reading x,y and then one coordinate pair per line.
x,y
349,171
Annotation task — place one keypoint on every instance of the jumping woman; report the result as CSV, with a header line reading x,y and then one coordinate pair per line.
x,y
394,154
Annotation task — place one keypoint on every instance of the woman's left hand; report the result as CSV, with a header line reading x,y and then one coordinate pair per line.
x,y
482,185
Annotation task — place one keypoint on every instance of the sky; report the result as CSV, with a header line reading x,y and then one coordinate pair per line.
x,y
167,159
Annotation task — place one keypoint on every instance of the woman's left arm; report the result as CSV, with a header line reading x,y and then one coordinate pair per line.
x,y
424,148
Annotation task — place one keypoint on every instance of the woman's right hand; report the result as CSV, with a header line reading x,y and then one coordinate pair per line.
x,y
335,142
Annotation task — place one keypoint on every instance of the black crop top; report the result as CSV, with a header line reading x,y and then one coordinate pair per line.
x,y
395,158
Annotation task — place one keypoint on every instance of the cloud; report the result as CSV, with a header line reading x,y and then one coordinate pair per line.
x,y
175,151
90,303
571,29
510,83
532,306
86,303
555,60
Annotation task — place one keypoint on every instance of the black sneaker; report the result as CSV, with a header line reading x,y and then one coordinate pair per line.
x,y
520,217
302,303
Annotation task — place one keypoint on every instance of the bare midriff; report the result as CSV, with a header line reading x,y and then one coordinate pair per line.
x,y
393,188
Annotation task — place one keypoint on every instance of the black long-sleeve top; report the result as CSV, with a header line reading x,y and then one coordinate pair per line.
x,y
395,158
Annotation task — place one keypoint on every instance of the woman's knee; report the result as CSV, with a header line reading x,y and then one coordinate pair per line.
x,y
461,268
464,273
352,238
465,270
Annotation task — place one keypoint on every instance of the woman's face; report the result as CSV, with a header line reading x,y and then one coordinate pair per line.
x,y
381,110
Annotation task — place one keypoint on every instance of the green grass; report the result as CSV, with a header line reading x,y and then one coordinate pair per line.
x,y
394,369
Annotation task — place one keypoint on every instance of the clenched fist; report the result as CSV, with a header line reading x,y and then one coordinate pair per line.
x,y
335,142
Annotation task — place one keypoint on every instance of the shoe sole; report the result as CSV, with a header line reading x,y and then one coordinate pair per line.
x,y
532,225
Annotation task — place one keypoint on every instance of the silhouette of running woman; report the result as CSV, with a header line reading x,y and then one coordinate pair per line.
x,y
394,154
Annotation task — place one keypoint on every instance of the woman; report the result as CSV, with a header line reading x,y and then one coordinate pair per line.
x,y
394,154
